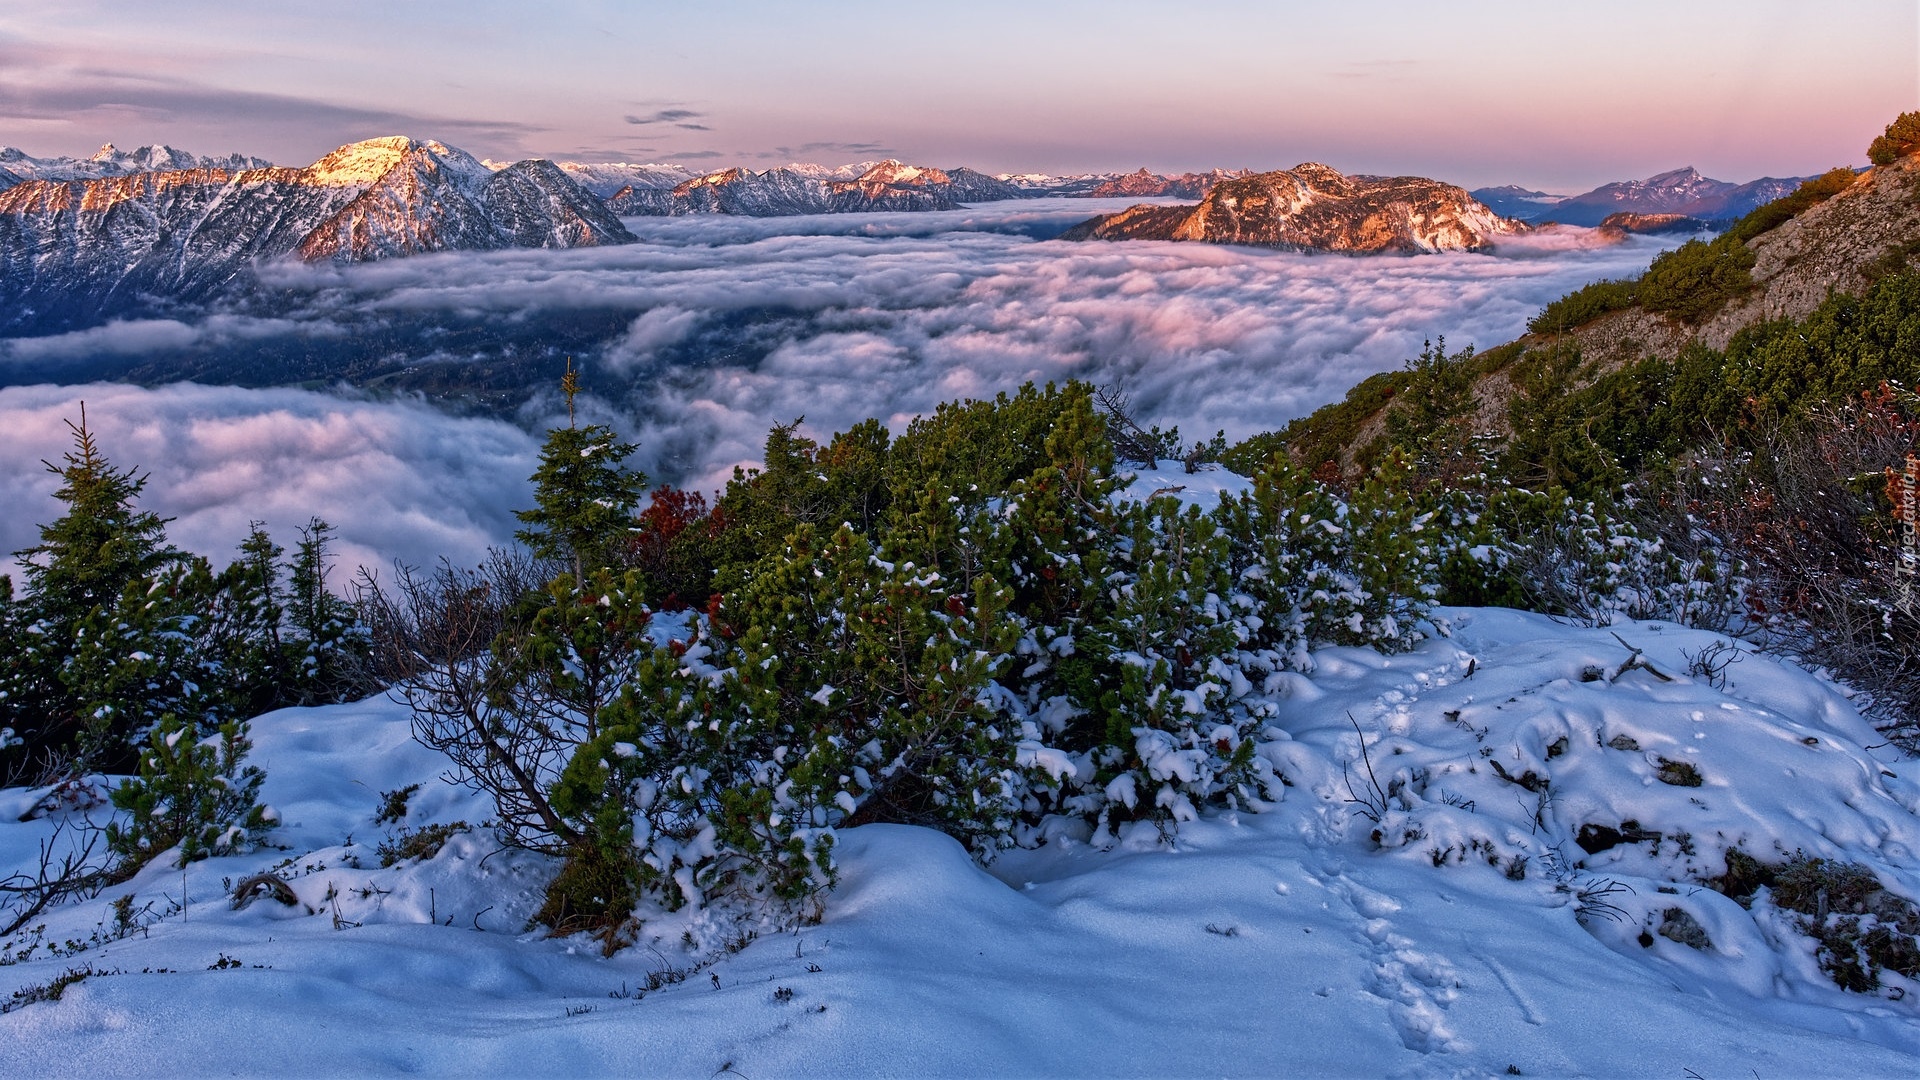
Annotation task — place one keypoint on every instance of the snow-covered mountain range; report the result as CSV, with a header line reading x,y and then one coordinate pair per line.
x,y
72,249
814,189
1680,191
1314,207
17,166
1145,184
144,231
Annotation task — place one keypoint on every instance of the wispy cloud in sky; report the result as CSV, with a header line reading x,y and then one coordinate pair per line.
x,y
1491,91
680,118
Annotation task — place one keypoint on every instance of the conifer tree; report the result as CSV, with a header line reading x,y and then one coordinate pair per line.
x,y
1431,420
145,657
19,694
326,639
585,498
81,570
246,655
89,554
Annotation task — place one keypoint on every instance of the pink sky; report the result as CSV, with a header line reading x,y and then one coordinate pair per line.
x,y
1555,96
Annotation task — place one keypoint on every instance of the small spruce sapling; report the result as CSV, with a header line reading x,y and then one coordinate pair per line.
x,y
190,793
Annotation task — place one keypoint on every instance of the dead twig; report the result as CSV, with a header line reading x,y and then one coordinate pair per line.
x,y
1637,660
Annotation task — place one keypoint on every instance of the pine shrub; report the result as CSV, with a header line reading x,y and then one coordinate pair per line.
x,y
190,793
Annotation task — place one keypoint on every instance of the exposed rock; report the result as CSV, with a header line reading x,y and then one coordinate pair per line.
x,y
1678,924
1653,224
1314,207
1594,838
1678,773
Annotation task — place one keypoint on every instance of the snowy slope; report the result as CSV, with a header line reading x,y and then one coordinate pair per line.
x,y
1283,942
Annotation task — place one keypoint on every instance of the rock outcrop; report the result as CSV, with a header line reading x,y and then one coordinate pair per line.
x,y
1314,207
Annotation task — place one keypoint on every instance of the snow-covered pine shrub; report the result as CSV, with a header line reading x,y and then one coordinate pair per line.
x,y
926,651
1389,579
562,667
1595,564
326,643
1180,728
1052,537
669,792
833,686
1314,570
887,668
556,675
144,658
190,792
1285,542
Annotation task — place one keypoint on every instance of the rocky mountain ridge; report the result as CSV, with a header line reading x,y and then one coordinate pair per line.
x,y
882,186
1836,246
1314,207
1144,184
17,166
1652,224
607,178
1046,185
78,251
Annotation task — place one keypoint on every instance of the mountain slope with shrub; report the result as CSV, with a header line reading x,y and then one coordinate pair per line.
x,y
1751,395
909,737
1836,235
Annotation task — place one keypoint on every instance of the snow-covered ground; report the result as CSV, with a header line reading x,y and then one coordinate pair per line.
x,y
1285,942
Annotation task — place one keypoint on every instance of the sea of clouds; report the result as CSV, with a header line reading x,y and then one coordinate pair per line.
x,y
731,325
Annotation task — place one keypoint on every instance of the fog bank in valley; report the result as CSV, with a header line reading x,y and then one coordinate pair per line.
x,y
719,327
